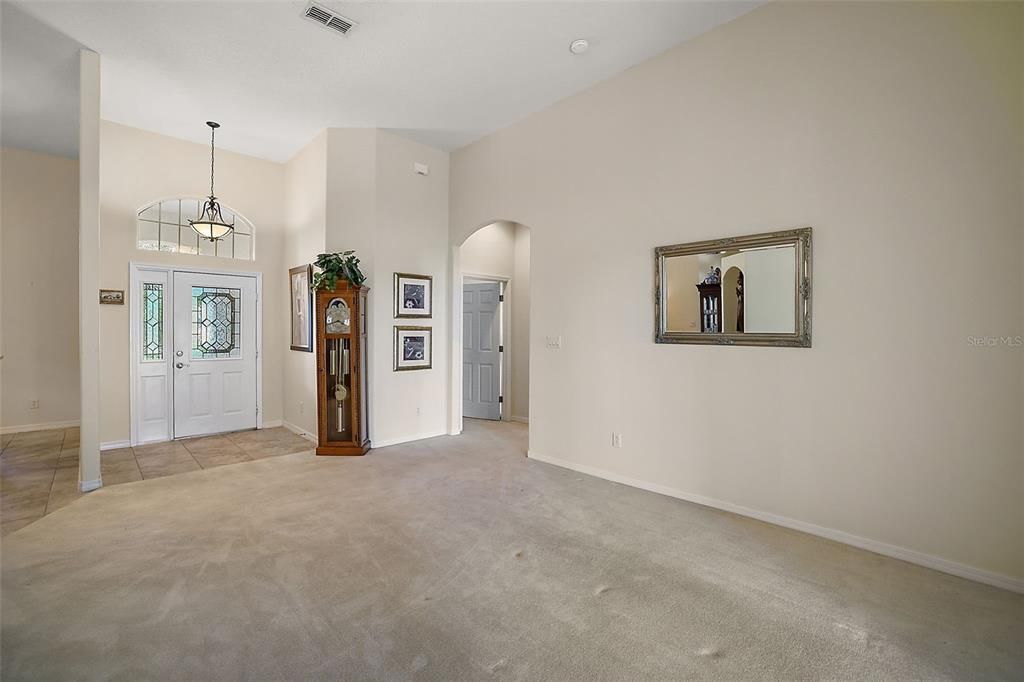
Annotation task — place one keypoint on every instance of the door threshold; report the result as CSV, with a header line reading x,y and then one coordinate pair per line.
x,y
215,433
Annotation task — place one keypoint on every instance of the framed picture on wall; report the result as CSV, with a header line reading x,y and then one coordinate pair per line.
x,y
413,348
414,295
112,296
301,307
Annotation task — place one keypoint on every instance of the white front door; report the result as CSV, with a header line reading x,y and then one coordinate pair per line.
x,y
214,353
481,354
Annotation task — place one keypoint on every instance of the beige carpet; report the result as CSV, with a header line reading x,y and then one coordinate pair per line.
x,y
457,558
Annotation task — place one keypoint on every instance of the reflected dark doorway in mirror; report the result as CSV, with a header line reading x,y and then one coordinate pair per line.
x,y
732,293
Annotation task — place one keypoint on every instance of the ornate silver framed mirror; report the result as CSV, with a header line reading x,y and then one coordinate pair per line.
x,y
753,290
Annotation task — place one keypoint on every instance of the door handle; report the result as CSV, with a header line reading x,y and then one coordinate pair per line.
x,y
180,365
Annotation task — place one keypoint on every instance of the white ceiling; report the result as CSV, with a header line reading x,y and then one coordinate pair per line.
x,y
441,73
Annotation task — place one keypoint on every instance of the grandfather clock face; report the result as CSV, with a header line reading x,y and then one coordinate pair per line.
x,y
338,317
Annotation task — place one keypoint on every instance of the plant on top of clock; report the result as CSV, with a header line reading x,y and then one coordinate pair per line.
x,y
335,266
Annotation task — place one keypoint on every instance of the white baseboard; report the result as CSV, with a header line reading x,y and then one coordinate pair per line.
x,y
89,486
407,439
25,428
115,445
296,430
517,418
912,556
273,424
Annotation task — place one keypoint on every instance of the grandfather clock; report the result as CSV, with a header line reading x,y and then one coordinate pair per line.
x,y
341,370
710,295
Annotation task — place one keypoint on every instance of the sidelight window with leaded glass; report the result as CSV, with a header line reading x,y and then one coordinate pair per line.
x,y
152,321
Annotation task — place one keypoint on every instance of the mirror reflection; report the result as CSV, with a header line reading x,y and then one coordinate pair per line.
x,y
732,291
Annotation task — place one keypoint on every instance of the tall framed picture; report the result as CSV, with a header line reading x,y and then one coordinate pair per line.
x,y
414,295
413,348
301,306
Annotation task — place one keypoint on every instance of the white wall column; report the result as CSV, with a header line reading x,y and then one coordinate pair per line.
x,y
88,268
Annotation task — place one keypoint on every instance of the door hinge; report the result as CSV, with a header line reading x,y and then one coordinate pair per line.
x,y
501,399
501,298
501,349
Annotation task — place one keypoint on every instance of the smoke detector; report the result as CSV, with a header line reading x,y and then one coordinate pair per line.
x,y
328,18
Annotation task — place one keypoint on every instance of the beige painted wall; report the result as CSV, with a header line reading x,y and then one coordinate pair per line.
x,y
306,220
491,251
352,193
769,289
894,130
520,335
502,250
682,307
39,282
411,236
139,167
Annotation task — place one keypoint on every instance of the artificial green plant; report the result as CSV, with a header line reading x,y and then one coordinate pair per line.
x,y
335,266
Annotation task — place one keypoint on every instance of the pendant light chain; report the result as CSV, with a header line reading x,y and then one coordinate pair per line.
x,y
213,133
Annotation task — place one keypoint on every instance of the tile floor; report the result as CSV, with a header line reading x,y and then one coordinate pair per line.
x,y
39,469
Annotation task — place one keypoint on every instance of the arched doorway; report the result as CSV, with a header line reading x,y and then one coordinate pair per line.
x,y
732,300
490,335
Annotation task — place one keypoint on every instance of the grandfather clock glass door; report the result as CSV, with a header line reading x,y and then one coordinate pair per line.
x,y
214,353
339,369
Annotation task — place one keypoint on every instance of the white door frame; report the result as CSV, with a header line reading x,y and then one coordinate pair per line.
x,y
132,300
505,337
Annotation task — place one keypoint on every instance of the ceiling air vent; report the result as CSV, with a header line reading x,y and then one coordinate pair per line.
x,y
328,18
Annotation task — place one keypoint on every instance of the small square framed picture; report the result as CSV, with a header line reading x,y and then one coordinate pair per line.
x,y
414,295
413,348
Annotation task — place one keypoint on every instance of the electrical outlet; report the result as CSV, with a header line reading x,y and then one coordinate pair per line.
x,y
616,440
33,404
554,341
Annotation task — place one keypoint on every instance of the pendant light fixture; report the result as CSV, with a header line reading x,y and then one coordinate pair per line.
x,y
210,225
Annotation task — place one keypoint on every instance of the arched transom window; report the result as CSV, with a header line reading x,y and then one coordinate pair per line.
x,y
163,226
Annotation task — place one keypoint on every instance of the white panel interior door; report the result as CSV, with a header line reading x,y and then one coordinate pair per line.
x,y
481,358
214,361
